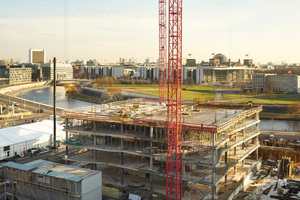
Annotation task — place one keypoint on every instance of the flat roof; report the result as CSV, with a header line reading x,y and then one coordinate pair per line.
x,y
28,132
56,170
143,112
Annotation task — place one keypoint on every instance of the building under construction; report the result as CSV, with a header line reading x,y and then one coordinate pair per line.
x,y
219,143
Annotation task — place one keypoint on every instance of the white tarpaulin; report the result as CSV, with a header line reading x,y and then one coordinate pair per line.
x,y
14,140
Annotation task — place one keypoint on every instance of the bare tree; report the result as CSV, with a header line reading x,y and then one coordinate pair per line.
x,y
269,88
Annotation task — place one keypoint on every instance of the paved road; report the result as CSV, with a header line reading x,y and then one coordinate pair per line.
x,y
29,106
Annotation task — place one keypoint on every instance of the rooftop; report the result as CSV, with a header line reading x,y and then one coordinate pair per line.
x,y
143,112
52,169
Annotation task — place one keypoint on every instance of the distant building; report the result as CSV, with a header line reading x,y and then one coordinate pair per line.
x,y
191,62
37,56
219,70
132,61
41,179
288,83
14,74
216,75
6,62
259,81
122,61
63,71
92,63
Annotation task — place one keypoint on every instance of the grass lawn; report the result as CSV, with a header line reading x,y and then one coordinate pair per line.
x,y
189,92
278,100
126,86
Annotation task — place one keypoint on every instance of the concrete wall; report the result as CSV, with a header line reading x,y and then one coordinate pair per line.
x,y
96,90
20,87
137,95
117,71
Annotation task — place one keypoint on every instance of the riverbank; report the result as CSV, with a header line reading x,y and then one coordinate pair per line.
x,y
81,97
16,89
279,116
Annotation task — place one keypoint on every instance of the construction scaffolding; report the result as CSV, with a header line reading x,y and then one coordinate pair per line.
x,y
219,142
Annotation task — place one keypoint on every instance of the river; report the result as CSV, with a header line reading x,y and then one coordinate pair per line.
x,y
46,96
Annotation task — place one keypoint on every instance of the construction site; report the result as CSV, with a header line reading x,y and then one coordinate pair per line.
x,y
219,144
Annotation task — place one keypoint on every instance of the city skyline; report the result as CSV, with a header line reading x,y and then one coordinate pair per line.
x,y
109,30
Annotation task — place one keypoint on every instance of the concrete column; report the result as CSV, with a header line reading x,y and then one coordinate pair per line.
x,y
201,76
67,136
213,192
151,163
145,73
122,143
151,158
257,142
226,161
122,170
151,182
214,139
184,74
95,152
216,117
214,173
256,151
157,73
95,140
228,76
151,132
197,81
214,77
183,165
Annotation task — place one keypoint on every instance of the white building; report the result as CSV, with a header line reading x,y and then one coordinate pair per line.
x,y
14,140
288,83
63,71
259,81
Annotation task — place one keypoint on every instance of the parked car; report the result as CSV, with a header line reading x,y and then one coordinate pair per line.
x,y
15,103
40,110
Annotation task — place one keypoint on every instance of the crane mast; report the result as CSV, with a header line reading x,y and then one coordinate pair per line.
x,y
174,80
162,49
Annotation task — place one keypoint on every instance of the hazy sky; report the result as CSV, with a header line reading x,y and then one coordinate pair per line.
x,y
267,30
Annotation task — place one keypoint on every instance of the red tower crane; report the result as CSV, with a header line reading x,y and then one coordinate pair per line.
x,y
174,157
162,49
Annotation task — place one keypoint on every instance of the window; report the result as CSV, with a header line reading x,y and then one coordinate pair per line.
x,y
6,148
